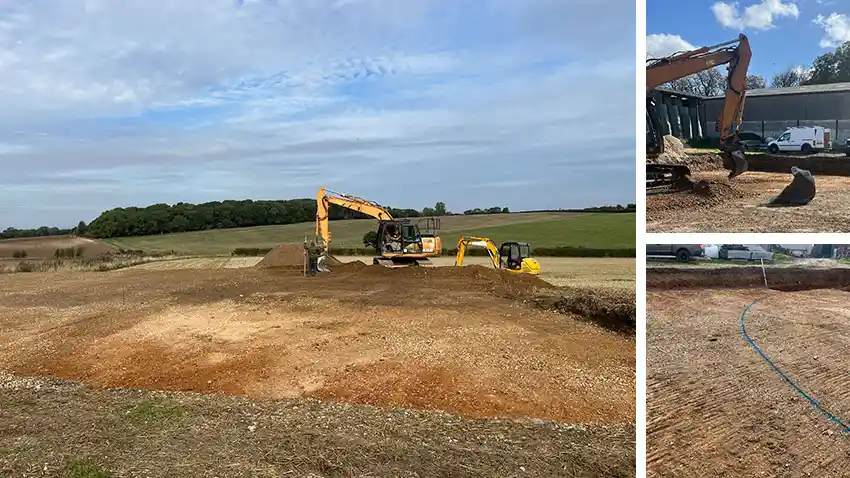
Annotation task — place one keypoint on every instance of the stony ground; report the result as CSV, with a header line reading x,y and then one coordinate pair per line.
x,y
55,428
743,206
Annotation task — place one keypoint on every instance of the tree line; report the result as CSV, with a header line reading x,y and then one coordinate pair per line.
x,y
830,67
186,217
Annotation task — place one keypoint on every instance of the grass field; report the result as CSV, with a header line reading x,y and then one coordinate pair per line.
x,y
595,230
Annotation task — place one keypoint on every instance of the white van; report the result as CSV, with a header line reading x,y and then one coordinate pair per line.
x,y
807,139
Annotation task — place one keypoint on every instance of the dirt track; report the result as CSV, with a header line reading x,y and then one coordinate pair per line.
x,y
714,406
456,340
743,206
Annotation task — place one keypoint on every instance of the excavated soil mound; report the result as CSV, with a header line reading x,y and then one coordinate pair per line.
x,y
711,193
476,276
284,255
674,153
612,309
784,278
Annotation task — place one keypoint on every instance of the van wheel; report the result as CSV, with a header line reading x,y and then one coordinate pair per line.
x,y
773,149
806,149
683,255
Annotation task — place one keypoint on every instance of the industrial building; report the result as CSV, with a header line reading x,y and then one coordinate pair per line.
x,y
681,114
767,111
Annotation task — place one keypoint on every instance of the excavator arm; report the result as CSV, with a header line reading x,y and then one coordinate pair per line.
x,y
737,54
324,198
466,241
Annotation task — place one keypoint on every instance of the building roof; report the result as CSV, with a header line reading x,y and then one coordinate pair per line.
x,y
796,90
681,93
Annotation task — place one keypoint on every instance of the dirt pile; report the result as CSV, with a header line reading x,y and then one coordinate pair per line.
x,y
674,153
704,195
784,278
612,309
473,277
284,255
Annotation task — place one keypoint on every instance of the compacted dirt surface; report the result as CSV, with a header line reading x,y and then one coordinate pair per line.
x,y
715,407
471,342
743,204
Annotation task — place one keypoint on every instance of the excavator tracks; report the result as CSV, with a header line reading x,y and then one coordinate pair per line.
x,y
667,178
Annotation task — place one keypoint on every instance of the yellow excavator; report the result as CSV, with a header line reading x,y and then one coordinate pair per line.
x,y
737,54
400,242
511,256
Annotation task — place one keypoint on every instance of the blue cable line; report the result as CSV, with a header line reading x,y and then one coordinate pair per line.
x,y
805,395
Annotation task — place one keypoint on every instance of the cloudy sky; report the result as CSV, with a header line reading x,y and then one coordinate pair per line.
x,y
783,33
473,102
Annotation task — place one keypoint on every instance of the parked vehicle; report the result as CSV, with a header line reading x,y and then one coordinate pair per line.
x,y
807,139
682,252
752,141
847,147
743,252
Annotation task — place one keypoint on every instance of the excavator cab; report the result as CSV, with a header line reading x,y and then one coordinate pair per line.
x,y
516,257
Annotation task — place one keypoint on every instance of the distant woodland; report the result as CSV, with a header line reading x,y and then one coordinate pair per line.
x,y
184,217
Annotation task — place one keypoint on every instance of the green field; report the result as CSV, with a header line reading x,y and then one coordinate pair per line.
x,y
542,230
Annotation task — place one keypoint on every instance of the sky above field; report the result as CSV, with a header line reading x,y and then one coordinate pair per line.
x,y
783,33
476,103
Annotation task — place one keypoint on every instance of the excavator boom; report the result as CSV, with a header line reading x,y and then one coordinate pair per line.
x,y
484,242
324,198
737,54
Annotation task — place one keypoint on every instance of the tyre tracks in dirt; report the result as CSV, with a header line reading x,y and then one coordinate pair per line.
x,y
715,406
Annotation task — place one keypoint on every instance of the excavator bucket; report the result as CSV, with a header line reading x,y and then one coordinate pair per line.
x,y
322,264
799,192
736,163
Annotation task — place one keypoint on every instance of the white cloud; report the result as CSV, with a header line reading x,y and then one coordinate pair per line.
x,y
759,16
106,104
659,45
836,28
803,70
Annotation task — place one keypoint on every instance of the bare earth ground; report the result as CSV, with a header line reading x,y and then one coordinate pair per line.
x,y
463,342
716,408
52,428
744,208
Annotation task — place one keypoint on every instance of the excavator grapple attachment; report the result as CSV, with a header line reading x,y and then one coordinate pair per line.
x,y
800,191
735,162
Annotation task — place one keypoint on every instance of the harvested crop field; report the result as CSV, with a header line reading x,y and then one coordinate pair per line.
x,y
472,342
46,247
715,407
743,204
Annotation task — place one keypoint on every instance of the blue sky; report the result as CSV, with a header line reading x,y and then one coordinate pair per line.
x,y
783,33
473,102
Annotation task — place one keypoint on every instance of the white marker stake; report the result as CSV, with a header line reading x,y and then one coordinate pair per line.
x,y
763,273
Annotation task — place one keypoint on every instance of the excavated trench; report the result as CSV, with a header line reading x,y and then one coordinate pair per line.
x,y
782,279
817,165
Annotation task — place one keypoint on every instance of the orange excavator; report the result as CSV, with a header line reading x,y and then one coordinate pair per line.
x,y
736,53
400,242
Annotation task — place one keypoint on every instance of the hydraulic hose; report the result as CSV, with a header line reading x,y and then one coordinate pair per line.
x,y
784,376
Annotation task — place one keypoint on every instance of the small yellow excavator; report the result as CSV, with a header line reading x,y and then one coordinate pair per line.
x,y
511,256
400,243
